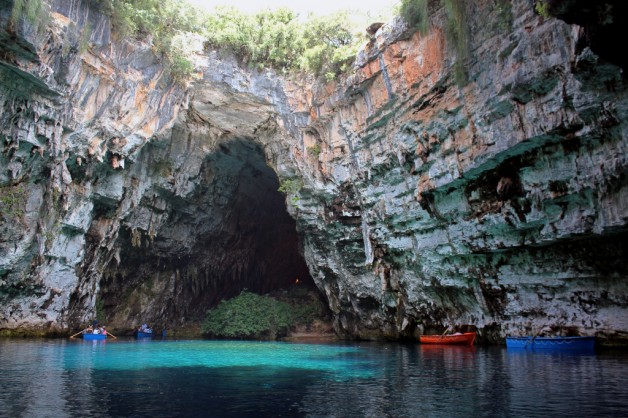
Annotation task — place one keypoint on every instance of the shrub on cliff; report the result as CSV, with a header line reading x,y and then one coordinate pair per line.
x,y
276,39
33,11
330,45
268,38
13,202
167,22
414,12
248,316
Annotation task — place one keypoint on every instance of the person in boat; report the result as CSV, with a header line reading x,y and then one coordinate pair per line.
x,y
96,331
103,330
145,329
89,330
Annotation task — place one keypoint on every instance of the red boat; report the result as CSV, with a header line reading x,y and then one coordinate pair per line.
x,y
452,339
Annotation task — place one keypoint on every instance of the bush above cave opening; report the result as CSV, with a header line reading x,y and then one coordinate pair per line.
x,y
278,39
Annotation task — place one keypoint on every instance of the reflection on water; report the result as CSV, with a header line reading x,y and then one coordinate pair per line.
x,y
203,378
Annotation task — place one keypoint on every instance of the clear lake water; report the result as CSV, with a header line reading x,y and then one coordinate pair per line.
x,y
199,378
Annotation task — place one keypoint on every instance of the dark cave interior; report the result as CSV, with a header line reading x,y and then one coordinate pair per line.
x,y
232,233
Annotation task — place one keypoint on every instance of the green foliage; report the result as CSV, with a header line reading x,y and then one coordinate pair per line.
x,y
33,11
179,63
457,32
165,21
415,13
84,37
291,187
269,39
100,310
542,8
248,316
314,150
330,46
13,202
504,12
163,167
306,311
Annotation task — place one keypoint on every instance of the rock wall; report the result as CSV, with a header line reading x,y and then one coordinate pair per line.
x,y
70,121
480,183
127,196
499,203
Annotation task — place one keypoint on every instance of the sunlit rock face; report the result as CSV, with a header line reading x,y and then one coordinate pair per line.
x,y
500,204
428,200
127,196
70,122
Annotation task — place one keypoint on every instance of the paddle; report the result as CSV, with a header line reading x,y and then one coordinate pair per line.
x,y
80,332
533,338
445,332
108,333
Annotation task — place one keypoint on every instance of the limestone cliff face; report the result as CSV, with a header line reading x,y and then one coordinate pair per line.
x,y
500,202
70,122
129,197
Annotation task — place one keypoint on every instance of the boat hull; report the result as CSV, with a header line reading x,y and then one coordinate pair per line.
x,y
457,339
140,334
94,337
551,343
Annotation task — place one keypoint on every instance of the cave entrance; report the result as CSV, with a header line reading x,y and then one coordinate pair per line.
x,y
228,232
257,233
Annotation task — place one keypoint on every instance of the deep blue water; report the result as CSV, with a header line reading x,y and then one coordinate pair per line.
x,y
75,378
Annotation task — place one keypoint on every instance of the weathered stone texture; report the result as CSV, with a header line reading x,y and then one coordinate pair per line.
x,y
494,204
499,202
133,198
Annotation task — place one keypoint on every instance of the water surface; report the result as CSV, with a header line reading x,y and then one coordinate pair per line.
x,y
71,378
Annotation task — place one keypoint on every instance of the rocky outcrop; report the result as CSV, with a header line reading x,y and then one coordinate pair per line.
x,y
500,203
127,196
481,183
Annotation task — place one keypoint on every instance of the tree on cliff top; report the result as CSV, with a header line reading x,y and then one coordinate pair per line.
x,y
277,39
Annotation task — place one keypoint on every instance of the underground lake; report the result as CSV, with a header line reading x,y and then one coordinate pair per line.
x,y
179,378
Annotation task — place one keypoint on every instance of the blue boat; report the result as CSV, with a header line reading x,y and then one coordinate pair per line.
x,y
94,337
140,334
551,343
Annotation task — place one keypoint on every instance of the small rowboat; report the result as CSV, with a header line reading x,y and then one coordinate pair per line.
x,y
140,334
94,337
451,339
553,343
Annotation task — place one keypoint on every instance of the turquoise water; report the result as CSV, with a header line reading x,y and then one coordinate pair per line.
x,y
75,378
339,362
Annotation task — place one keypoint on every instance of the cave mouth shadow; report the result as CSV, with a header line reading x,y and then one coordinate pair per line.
x,y
231,233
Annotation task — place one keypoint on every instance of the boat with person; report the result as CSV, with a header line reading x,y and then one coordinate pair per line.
x,y
94,337
551,343
465,338
92,333
144,332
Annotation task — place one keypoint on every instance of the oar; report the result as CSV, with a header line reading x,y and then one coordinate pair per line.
x,y
80,332
531,340
445,332
108,333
